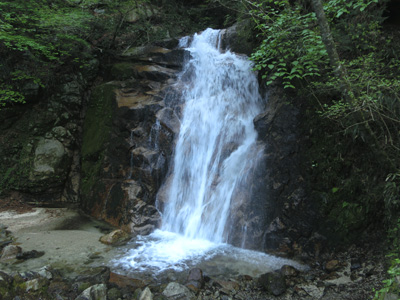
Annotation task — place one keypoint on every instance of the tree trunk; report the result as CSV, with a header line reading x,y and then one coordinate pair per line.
x,y
340,72
327,39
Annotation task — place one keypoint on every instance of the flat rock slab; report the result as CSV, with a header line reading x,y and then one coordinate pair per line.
x,y
67,238
36,220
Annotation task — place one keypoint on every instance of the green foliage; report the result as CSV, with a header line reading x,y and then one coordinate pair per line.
x,y
391,285
360,110
36,39
292,47
40,38
360,20
8,94
337,8
392,196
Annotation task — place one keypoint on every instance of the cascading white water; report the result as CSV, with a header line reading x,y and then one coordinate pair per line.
x,y
220,105
215,151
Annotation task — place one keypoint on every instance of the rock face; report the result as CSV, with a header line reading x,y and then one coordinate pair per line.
x,y
39,157
128,138
289,214
129,132
130,125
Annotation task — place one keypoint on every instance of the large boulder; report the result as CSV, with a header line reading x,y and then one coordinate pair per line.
x,y
39,157
273,282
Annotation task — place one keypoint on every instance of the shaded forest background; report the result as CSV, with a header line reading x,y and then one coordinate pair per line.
x,y
351,107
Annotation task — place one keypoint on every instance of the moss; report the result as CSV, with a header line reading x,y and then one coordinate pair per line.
x,y
83,286
98,120
122,70
96,134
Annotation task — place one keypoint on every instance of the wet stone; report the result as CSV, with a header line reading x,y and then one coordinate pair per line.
x,y
273,282
95,292
176,291
146,294
126,282
289,271
195,278
115,237
10,252
94,275
332,265
30,254
355,264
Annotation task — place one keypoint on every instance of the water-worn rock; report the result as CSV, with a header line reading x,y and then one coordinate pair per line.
x,y
289,271
35,284
146,294
313,291
10,252
169,119
176,291
29,254
195,278
94,276
115,237
133,139
126,282
237,38
332,265
273,282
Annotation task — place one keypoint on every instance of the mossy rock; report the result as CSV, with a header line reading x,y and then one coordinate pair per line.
x,y
123,70
96,133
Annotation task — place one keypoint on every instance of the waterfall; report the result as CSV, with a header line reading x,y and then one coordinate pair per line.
x,y
217,139
211,172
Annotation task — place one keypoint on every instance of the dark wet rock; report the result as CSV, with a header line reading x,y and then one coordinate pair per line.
x,y
174,58
289,271
273,282
195,279
237,38
128,142
126,282
355,264
176,291
30,254
169,119
4,243
143,51
116,237
154,72
169,43
97,275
